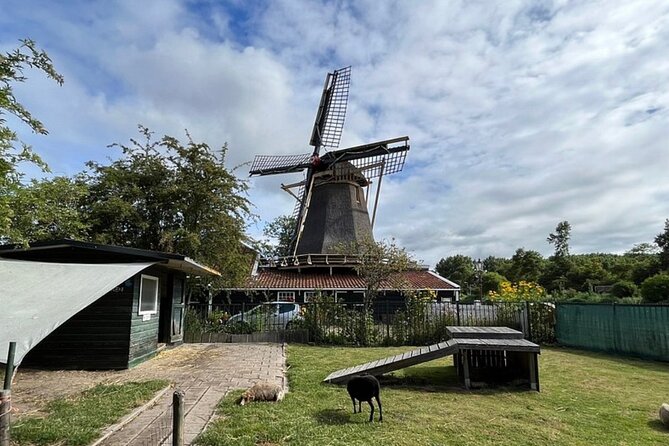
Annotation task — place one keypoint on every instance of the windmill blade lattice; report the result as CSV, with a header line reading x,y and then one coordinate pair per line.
x,y
374,159
332,110
275,164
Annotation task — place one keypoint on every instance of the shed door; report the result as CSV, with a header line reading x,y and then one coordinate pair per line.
x,y
178,304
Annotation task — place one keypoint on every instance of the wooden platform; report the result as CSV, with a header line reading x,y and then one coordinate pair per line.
x,y
498,351
484,332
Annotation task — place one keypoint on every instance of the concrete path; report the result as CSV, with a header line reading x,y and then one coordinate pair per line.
x,y
206,373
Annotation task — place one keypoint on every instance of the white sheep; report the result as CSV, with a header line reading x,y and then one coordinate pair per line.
x,y
263,391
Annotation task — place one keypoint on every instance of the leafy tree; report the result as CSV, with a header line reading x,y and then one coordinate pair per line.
x,y
168,196
526,265
587,271
497,264
458,268
560,239
645,267
662,240
12,65
379,262
623,288
656,288
643,249
492,281
48,209
281,230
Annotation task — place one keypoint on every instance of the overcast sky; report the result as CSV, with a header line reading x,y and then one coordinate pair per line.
x,y
521,114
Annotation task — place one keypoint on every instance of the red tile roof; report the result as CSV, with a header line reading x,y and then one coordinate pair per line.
x,y
290,280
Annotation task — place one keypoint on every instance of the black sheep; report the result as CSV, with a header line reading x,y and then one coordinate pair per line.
x,y
364,388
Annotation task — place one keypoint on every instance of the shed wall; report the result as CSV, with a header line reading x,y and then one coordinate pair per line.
x,y
95,338
144,333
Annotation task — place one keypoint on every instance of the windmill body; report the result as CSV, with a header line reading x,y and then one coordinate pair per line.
x,y
337,211
332,203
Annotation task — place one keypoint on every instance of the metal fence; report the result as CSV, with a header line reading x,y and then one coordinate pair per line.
x,y
382,323
635,330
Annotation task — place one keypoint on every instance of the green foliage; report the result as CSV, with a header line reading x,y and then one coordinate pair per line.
x,y
282,231
498,265
12,150
47,209
79,420
560,239
623,288
330,322
379,263
168,196
457,268
662,241
518,292
656,288
491,281
526,265
420,323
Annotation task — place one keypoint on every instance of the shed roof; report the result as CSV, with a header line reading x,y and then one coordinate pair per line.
x,y
291,280
75,251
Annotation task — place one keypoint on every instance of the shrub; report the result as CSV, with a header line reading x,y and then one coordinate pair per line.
x,y
656,288
518,292
624,288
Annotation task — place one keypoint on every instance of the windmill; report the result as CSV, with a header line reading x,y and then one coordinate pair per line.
x,y
331,205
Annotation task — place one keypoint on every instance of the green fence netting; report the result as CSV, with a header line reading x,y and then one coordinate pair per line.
x,y
636,330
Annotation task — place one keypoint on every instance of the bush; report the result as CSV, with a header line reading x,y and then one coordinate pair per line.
x,y
656,288
624,288
571,295
518,292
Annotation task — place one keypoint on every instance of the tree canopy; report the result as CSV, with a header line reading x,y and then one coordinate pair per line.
x,y
169,196
12,150
560,238
378,262
662,240
279,233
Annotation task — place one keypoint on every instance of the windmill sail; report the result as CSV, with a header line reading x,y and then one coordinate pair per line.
x,y
275,164
332,110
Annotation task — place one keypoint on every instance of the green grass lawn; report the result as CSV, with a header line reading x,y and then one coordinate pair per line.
x,y
79,420
585,399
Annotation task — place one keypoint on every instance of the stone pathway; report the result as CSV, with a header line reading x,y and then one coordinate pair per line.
x,y
206,373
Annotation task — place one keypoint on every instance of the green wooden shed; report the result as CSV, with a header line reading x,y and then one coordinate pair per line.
x,y
122,327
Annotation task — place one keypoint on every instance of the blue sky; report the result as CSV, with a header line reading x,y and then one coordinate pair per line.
x,y
521,114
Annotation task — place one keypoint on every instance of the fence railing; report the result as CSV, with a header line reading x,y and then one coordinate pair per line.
x,y
381,323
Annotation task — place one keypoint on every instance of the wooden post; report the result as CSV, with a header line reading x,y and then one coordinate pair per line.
x,y
534,371
465,367
9,369
5,410
528,319
178,418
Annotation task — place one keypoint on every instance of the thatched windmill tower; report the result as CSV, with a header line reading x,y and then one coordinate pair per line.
x,y
332,199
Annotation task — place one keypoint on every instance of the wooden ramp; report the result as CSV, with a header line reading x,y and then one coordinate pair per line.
x,y
396,362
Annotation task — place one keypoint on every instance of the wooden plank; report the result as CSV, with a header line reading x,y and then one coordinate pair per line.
x,y
396,362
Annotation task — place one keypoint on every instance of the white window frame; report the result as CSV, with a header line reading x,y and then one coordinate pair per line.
x,y
308,295
291,294
155,299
